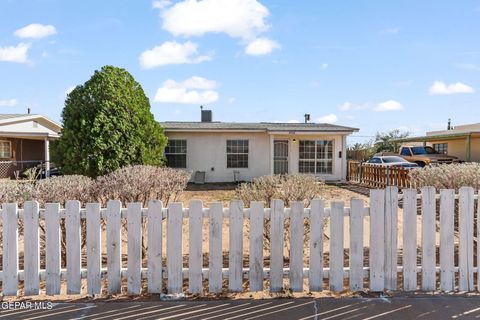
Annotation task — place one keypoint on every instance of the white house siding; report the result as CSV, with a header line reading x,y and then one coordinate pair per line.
x,y
207,151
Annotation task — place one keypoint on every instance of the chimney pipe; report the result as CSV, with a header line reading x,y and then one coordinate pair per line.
x,y
28,110
449,127
307,117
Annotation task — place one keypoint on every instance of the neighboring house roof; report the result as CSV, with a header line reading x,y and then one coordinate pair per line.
x,y
257,127
28,125
458,132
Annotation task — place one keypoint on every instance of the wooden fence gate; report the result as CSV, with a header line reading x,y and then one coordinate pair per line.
x,y
388,263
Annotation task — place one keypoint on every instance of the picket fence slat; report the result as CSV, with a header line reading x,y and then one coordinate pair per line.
x,y
391,227
465,252
296,246
447,210
31,248
336,247
154,249
256,246
264,264
10,249
235,257
74,242
409,239
317,216
356,245
52,250
174,248
114,246
377,240
215,261
134,247
276,245
195,258
94,247
428,238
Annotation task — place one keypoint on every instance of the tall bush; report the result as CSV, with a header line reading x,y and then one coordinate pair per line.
x,y
448,176
107,124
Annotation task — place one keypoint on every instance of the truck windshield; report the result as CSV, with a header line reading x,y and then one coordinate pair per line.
x,y
423,150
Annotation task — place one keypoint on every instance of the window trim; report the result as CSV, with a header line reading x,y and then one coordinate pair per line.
x,y
178,153
10,149
316,160
227,153
441,144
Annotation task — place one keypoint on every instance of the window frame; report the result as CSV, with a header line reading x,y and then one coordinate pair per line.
x,y
9,149
227,153
444,147
177,153
317,160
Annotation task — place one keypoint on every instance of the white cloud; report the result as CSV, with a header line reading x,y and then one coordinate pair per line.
x,y
161,4
261,46
15,54
172,52
194,90
441,88
35,31
347,106
243,19
8,103
390,105
329,118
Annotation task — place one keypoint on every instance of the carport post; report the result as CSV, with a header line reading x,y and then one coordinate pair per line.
x,y
469,148
47,158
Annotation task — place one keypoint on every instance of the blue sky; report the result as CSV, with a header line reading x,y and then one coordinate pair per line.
x,y
375,65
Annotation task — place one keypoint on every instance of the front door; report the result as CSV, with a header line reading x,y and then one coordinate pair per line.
x,y
280,156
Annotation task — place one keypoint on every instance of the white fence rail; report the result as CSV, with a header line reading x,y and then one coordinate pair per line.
x,y
389,263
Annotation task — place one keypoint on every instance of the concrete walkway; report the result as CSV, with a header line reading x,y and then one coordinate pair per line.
x,y
443,307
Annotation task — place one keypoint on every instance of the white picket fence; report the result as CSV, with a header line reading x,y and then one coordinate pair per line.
x,y
384,264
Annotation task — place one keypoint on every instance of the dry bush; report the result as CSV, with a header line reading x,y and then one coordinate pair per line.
x,y
16,191
448,176
288,188
63,188
142,183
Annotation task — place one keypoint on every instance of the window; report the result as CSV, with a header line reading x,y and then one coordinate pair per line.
x,y
5,149
375,160
441,147
237,153
316,156
405,152
176,153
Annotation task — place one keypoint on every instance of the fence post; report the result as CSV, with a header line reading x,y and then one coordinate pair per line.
x,y
276,245
74,243
32,248
235,257
154,250
428,239
466,207
377,239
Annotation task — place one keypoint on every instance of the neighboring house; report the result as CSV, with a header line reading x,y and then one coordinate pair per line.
x,y
231,151
24,142
461,141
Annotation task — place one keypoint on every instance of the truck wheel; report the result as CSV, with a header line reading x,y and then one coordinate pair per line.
x,y
420,163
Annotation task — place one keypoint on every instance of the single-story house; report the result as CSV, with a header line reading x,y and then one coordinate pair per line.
x,y
232,151
24,142
462,141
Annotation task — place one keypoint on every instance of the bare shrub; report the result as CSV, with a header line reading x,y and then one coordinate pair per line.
x,y
142,183
288,188
448,176
63,188
16,191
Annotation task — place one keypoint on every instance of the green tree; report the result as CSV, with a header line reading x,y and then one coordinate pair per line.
x,y
386,141
107,124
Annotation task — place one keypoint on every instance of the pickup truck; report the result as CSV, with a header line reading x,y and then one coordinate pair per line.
x,y
425,155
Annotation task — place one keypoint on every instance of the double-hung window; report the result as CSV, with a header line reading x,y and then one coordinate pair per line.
x,y
176,153
237,153
316,156
441,147
5,149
